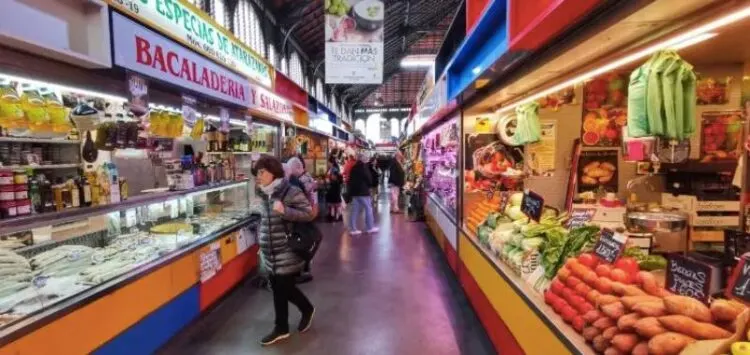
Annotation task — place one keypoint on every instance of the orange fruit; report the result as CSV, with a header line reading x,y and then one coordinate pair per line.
x,y
590,138
589,125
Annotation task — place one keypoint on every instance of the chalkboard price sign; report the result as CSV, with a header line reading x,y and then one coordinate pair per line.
x,y
580,216
610,245
689,277
532,204
739,284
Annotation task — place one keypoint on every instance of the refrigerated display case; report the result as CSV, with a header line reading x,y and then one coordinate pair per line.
x,y
440,165
56,266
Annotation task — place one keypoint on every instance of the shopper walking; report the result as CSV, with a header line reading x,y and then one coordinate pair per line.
x,y
350,159
358,187
333,195
396,181
298,176
372,165
282,203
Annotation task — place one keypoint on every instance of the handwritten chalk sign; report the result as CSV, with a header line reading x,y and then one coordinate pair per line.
x,y
532,204
739,284
580,216
610,245
689,277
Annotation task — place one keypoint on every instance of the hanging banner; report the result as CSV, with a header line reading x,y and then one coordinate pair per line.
x,y
183,22
137,94
224,119
354,41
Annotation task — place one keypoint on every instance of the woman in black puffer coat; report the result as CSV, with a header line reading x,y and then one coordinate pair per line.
x,y
282,203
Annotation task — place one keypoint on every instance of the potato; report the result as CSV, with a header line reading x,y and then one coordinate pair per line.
x,y
589,333
599,343
640,348
668,343
648,327
724,310
626,322
688,307
650,309
692,328
630,301
625,342
613,310
610,332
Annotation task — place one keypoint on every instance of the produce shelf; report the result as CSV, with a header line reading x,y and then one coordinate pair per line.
x,y
42,167
38,140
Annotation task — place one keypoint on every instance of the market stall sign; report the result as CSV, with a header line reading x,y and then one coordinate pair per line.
x,y
689,277
532,204
580,216
288,89
532,24
610,245
190,26
209,262
739,284
140,49
264,101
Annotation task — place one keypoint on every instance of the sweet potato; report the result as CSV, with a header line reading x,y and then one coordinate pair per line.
x,y
626,322
589,333
599,343
610,332
603,323
630,301
592,316
648,282
725,310
640,348
612,351
606,299
650,309
626,290
563,273
668,343
593,296
687,306
625,342
613,310
692,328
648,327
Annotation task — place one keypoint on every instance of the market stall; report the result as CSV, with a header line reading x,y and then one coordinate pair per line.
x,y
596,218
109,203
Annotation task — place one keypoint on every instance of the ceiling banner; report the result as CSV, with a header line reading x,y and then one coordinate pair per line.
x,y
354,41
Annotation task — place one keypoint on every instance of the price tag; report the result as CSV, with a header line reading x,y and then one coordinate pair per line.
x,y
610,245
532,204
739,284
580,216
689,277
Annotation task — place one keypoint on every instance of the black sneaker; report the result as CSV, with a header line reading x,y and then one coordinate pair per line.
x,y
306,322
274,337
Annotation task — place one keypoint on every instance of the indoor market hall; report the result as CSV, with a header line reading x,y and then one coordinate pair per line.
x,y
390,292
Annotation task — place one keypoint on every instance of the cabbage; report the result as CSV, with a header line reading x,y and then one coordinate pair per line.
x,y
502,235
530,244
514,212
516,198
492,219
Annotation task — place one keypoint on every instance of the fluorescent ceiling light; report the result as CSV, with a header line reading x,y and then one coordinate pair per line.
x,y
57,87
688,38
418,61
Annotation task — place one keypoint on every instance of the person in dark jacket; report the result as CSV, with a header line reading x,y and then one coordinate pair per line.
x,y
396,181
358,187
372,165
282,203
333,194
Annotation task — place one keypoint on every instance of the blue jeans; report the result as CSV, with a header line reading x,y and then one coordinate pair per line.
x,y
358,203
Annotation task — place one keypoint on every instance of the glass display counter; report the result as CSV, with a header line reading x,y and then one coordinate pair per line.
x,y
52,264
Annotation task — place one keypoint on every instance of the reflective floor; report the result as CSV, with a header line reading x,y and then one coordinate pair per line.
x,y
389,293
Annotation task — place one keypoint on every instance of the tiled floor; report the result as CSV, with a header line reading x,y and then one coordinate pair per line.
x,y
390,293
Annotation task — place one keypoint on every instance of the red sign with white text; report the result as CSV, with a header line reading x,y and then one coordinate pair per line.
x,y
264,101
533,23
142,50
288,89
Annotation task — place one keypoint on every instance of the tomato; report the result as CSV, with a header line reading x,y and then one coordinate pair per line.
x,y
628,264
578,323
603,270
557,287
620,275
558,305
589,260
578,303
548,296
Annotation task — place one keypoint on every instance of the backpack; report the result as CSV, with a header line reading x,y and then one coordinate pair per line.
x,y
302,237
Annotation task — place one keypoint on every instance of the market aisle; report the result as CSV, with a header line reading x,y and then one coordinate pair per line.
x,y
390,293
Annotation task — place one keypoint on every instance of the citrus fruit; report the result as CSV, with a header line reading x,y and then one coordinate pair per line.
x,y
590,138
589,125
